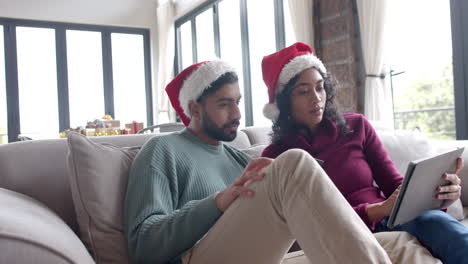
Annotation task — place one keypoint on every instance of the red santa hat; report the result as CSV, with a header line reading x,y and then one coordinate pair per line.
x,y
189,84
280,67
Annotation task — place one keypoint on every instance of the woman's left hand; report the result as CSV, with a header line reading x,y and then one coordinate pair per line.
x,y
451,192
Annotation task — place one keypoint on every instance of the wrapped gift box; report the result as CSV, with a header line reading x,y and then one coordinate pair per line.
x,y
111,123
134,127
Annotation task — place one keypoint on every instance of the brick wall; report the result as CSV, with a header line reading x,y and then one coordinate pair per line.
x,y
337,44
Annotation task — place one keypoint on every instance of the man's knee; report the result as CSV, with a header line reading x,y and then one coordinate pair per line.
x,y
296,155
295,162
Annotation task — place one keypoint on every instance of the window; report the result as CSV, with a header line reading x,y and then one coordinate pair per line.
x,y
205,36
421,67
128,61
261,42
37,82
62,75
288,26
85,77
186,44
231,45
3,106
241,32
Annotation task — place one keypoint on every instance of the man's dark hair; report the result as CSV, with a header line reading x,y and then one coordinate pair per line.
x,y
226,78
285,126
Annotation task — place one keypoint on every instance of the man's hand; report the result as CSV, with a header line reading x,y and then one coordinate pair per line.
x,y
382,209
450,193
239,187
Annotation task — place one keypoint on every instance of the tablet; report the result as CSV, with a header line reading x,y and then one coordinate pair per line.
x,y
418,189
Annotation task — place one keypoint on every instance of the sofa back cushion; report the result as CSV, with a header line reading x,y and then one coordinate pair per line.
x,y
98,179
38,168
405,146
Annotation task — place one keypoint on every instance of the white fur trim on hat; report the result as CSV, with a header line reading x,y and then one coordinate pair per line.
x,y
297,65
199,80
271,111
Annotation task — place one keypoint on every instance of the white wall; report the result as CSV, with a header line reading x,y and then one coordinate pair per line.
x,y
127,13
132,13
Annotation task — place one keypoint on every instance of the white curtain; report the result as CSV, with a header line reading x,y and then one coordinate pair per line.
x,y
166,54
378,98
301,12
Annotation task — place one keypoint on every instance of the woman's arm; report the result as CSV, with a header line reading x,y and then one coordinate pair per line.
x,y
384,171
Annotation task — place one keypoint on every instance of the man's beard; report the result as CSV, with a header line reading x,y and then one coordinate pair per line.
x,y
215,132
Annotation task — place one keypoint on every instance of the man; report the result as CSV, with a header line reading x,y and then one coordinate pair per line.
x,y
193,199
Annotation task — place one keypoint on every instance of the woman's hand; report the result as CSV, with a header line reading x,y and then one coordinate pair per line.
x,y
451,192
382,209
239,187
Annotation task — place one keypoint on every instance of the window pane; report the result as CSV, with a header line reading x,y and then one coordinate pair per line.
x,y
129,77
3,107
262,42
186,44
85,77
288,27
423,94
37,81
205,36
230,38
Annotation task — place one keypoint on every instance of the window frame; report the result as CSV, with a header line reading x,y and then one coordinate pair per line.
x,y
460,65
213,5
11,68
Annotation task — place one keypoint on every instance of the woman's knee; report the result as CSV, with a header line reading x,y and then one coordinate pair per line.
x,y
432,218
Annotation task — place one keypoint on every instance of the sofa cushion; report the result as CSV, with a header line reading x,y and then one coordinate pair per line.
x,y
258,135
30,232
254,151
98,179
405,146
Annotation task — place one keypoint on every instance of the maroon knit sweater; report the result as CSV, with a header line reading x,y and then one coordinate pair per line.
x,y
352,161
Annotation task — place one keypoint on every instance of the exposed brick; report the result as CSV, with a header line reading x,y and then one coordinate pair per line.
x,y
338,26
336,42
328,7
336,51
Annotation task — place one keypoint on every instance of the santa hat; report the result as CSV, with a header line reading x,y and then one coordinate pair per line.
x,y
191,82
280,67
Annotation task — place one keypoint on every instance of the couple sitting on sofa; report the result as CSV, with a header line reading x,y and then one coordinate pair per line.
x,y
192,199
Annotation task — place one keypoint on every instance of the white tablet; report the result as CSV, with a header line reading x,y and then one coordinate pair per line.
x,y
418,189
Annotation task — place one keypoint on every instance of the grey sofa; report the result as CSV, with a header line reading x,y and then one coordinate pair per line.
x,y
38,223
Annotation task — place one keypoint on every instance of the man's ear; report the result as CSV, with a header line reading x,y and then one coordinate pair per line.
x,y
195,109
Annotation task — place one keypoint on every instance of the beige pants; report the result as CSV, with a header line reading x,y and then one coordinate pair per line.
x,y
295,200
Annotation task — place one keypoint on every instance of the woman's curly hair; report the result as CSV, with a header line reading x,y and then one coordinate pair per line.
x,y
285,126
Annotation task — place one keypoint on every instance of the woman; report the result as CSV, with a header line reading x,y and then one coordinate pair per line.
x,y
304,113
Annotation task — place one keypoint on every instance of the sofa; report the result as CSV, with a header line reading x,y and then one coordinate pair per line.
x,y
40,213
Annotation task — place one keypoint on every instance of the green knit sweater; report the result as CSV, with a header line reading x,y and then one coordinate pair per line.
x,y
169,203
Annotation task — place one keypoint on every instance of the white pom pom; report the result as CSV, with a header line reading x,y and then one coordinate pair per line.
x,y
271,111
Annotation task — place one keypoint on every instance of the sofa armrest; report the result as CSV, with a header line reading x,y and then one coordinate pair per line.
x,y
31,233
444,145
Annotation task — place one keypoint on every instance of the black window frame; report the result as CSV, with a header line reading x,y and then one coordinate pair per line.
x,y
460,65
11,68
280,37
